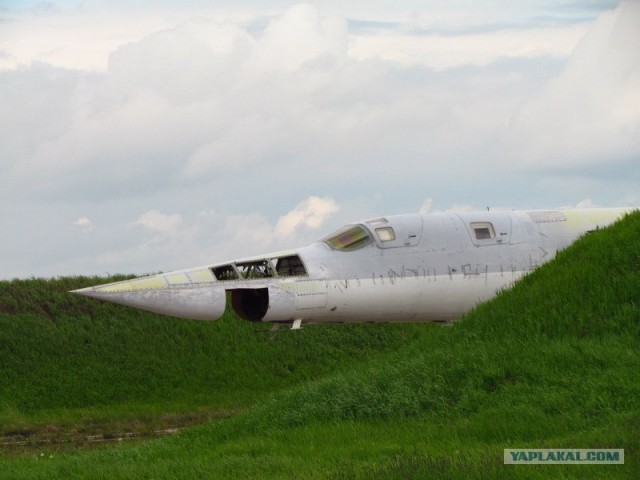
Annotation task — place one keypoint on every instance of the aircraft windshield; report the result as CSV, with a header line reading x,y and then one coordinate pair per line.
x,y
350,237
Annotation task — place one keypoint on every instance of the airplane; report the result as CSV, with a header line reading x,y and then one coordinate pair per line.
x,y
417,267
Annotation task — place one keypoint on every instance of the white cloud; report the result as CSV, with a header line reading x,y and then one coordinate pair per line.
x,y
444,51
84,224
300,35
172,241
456,207
426,205
591,113
310,213
206,98
586,203
155,221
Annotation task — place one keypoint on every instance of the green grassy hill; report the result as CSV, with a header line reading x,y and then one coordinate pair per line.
x,y
552,363
61,353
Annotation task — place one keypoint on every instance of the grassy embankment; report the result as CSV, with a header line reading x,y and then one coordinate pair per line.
x,y
552,363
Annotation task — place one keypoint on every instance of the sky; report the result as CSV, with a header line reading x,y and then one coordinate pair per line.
x,y
142,136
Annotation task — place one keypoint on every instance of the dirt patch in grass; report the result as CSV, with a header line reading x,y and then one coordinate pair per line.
x,y
94,433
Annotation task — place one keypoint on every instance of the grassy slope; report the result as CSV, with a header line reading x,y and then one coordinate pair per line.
x,y
552,363
65,358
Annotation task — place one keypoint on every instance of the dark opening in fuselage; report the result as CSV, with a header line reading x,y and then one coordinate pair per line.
x,y
250,304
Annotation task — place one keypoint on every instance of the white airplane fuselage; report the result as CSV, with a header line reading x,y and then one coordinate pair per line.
x,y
399,268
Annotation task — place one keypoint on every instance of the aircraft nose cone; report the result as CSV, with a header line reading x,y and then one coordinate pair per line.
x,y
156,294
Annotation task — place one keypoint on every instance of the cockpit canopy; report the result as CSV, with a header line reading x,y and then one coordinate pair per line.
x,y
385,232
348,238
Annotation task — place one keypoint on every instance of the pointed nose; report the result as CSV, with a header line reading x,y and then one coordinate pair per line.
x,y
158,294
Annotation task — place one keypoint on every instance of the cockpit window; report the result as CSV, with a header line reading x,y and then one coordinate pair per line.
x,y
290,266
483,230
350,237
257,269
386,234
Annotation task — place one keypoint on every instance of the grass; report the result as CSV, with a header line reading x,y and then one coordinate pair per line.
x,y
551,363
69,360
